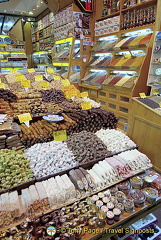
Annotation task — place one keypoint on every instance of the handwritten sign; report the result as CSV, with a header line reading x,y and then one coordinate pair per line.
x,y
44,85
155,91
24,117
84,94
142,95
38,78
65,82
86,105
31,70
25,84
50,70
2,85
20,77
60,135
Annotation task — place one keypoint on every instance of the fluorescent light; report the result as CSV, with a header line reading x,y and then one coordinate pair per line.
x,y
30,13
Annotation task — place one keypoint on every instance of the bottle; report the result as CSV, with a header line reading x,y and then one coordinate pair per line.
x,y
125,127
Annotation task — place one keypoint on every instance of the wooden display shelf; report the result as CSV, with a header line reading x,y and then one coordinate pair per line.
x,y
89,86
114,14
138,28
144,128
140,5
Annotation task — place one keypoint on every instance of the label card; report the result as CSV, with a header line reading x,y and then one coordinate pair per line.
x,y
0,80
142,95
84,94
50,70
20,77
160,104
86,105
44,85
57,77
38,78
155,91
13,70
2,85
31,70
25,84
60,135
65,82
24,117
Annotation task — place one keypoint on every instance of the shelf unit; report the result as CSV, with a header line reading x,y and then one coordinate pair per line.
x,y
12,55
116,96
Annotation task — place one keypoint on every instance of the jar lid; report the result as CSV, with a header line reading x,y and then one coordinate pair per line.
x,y
110,214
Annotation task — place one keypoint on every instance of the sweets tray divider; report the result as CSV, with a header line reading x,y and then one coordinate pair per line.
x,y
83,165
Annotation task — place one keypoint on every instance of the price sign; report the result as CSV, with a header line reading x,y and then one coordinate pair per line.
x,y
142,95
50,70
86,105
56,77
44,85
60,135
13,70
84,94
160,104
20,77
2,85
155,91
31,70
0,80
25,84
65,82
38,78
24,117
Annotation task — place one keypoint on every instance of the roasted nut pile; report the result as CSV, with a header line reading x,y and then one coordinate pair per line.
x,y
49,158
68,106
7,95
86,146
52,95
93,103
93,120
14,168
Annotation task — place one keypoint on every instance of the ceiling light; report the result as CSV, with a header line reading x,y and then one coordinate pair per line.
x,y
5,11
33,9
30,13
41,1
37,6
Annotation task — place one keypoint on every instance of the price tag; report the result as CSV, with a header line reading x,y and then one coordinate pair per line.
x,y
13,70
84,94
155,91
25,84
160,104
60,135
2,85
24,117
65,82
44,85
86,105
50,70
31,70
38,78
20,77
0,80
56,77
142,95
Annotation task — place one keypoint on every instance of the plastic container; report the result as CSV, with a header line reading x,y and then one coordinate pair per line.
x,y
117,213
138,197
121,197
151,194
136,182
124,187
129,205
110,217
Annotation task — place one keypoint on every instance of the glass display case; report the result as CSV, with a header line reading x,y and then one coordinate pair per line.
x,y
75,73
42,60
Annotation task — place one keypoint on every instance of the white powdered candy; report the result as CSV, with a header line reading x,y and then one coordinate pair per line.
x,y
115,140
51,157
